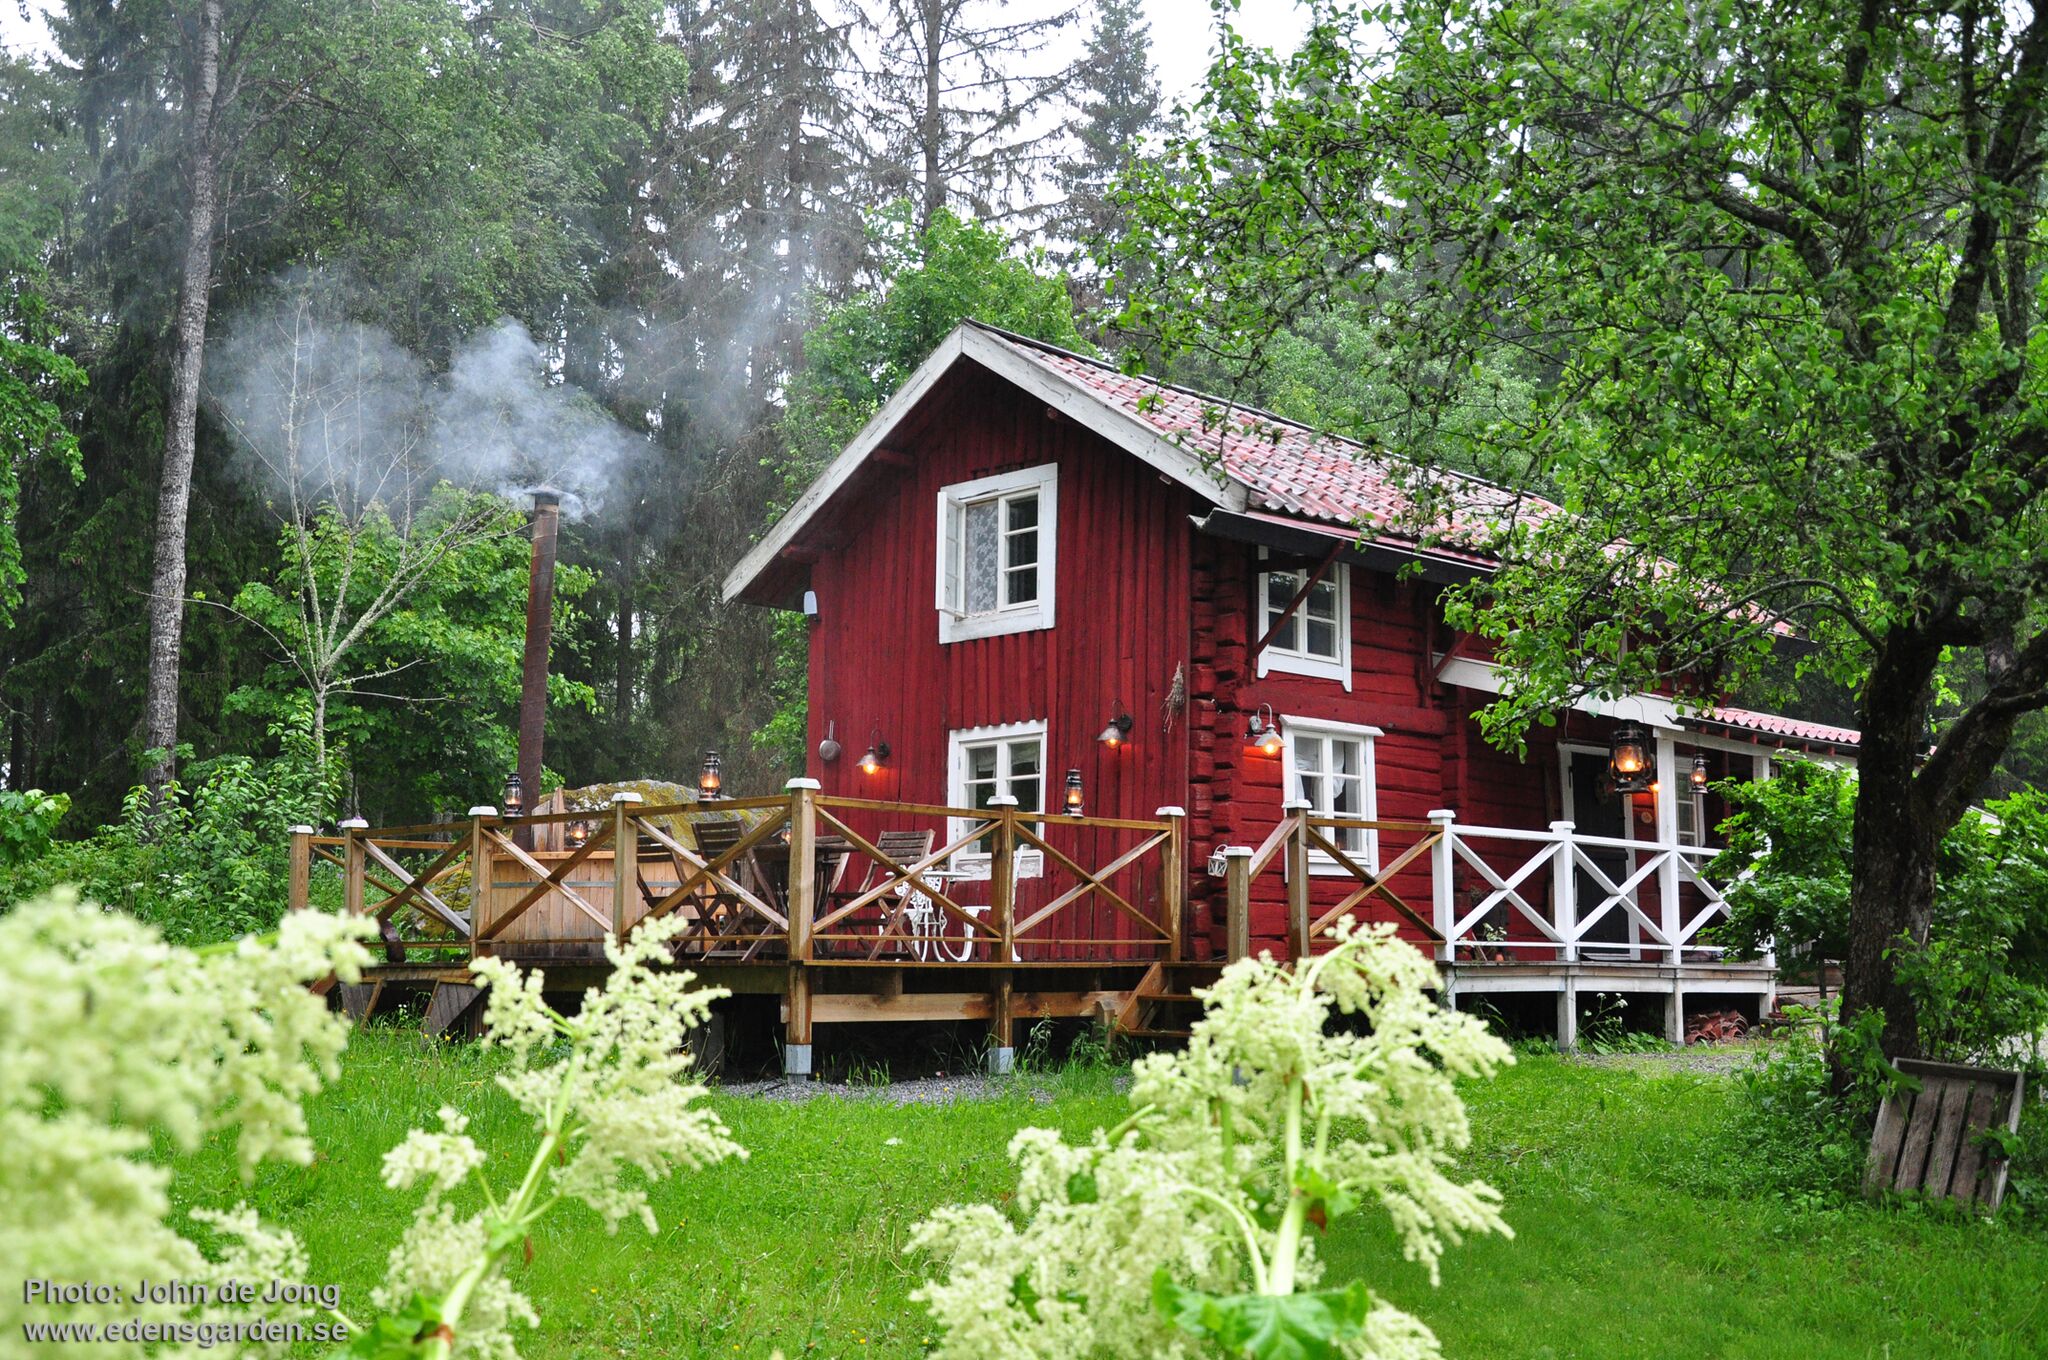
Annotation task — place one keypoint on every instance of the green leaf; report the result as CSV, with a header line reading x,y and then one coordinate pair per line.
x,y
1266,1326
403,1335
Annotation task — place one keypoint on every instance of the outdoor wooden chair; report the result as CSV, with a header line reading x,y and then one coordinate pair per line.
x,y
902,848
721,914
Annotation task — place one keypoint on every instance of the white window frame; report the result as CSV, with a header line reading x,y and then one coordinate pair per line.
x,y
1297,660
955,625
972,863
1320,863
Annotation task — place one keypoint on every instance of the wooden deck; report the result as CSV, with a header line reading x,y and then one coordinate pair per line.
x,y
1005,915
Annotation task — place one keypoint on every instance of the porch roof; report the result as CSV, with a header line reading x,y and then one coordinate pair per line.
x,y
1745,720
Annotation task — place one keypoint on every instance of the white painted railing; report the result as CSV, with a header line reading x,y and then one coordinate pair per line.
x,y
1496,894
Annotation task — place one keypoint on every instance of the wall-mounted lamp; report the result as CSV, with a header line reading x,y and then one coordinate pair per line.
x,y
1699,772
1628,758
1264,730
1076,804
829,748
515,795
711,778
1119,730
877,755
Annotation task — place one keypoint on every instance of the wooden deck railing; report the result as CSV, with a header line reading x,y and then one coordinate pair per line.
x,y
1492,894
773,886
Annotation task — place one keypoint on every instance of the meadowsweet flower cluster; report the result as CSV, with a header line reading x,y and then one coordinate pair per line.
x,y
111,1036
1190,1229
611,1100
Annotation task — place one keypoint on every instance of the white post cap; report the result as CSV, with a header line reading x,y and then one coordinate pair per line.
x,y
483,810
1442,815
627,796
1003,800
302,831
354,824
1235,850
803,784
1171,810
1563,828
1297,805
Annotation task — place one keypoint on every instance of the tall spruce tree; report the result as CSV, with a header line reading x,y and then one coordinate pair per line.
x,y
1118,99
964,120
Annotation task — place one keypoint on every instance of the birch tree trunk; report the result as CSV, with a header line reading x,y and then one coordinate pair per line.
x,y
174,494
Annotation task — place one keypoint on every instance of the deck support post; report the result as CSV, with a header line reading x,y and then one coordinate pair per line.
x,y
1173,879
1298,944
1564,891
481,873
1002,1053
1237,902
1670,788
1568,1017
1674,1013
300,894
802,900
353,865
625,858
1443,866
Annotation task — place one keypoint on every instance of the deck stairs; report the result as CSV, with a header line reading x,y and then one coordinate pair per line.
x,y
1163,1006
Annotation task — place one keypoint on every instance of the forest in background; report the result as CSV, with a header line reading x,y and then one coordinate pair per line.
x,y
662,253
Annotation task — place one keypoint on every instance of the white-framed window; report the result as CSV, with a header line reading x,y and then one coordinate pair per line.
x,y
998,540
1330,764
1315,639
984,762
1691,817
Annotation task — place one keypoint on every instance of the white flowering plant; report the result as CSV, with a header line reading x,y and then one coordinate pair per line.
x,y
1190,1228
111,1038
612,1103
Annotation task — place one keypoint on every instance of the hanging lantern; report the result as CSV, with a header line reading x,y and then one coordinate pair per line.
x,y
1264,730
1628,758
1075,805
515,796
877,756
711,778
1699,772
1119,730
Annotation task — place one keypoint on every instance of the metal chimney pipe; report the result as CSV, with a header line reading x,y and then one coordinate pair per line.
x,y
540,625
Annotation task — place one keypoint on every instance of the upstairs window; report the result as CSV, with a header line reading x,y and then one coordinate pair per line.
x,y
997,542
1330,765
1315,637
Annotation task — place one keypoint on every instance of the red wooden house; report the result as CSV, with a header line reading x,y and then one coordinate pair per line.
x,y
1032,575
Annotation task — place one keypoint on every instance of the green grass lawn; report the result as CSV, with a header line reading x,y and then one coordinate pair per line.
x,y
1618,1252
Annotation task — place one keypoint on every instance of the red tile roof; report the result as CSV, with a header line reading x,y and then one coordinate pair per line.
x,y
1776,725
1286,466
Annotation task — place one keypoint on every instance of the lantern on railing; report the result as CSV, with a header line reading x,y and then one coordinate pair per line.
x,y
1628,758
1076,803
515,796
877,755
1264,730
1699,772
711,778
577,834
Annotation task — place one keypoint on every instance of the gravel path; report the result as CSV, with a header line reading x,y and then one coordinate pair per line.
x,y
1709,1059
915,1091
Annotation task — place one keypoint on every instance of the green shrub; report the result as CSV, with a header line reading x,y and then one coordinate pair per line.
x,y
28,822
1981,980
210,862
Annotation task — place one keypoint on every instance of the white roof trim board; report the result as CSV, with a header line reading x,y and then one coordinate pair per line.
x,y
969,341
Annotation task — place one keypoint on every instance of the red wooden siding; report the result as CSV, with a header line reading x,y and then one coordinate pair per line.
x,y
1121,615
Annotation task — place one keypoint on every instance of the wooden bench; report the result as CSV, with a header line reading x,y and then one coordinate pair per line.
x,y
1928,1141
